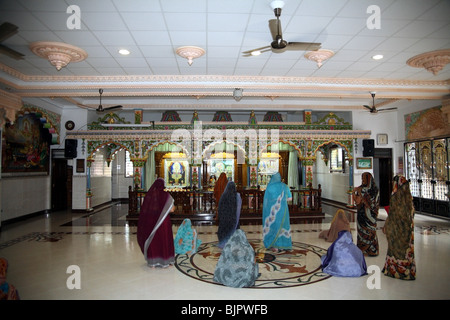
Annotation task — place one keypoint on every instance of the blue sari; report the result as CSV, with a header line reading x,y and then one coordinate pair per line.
x,y
276,224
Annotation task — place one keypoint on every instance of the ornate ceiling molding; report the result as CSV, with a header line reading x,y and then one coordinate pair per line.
x,y
433,61
58,53
319,56
193,80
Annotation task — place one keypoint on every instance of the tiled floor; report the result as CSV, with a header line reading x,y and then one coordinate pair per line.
x,y
104,247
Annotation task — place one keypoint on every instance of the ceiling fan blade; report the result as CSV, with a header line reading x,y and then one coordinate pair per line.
x,y
257,49
11,53
7,30
386,109
303,46
112,108
275,28
366,106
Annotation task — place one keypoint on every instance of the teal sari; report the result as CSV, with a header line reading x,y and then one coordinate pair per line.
x,y
276,224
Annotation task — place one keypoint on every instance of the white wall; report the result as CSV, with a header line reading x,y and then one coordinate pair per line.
x,y
119,182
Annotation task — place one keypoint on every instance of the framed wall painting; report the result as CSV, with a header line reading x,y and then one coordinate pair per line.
x,y
382,139
363,163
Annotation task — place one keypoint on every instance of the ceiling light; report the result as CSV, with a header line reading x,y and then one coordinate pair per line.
x,y
237,94
255,53
377,57
190,53
124,52
58,53
277,4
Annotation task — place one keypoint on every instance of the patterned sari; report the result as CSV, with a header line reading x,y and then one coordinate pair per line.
x,y
229,213
186,240
399,229
368,203
154,231
276,224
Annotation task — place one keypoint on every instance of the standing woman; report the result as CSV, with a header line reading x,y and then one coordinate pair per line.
x,y
367,201
154,231
219,188
276,224
399,229
229,213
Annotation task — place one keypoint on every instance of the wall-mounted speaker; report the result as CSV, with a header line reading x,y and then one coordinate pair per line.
x,y
70,148
368,147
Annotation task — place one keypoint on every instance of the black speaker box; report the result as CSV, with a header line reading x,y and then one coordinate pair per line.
x,y
368,147
70,148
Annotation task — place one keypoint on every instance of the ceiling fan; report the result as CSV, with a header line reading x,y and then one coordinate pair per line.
x,y
7,30
373,109
100,107
279,45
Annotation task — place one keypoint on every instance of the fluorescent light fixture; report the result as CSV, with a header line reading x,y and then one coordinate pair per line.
x,y
124,52
377,57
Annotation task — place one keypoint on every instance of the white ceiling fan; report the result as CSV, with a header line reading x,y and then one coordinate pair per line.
x,y
373,109
279,45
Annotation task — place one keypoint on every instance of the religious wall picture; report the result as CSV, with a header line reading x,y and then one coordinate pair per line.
x,y
26,146
176,173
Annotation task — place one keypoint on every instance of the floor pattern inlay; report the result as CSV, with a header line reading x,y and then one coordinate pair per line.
x,y
288,268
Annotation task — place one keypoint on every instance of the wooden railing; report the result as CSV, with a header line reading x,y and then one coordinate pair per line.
x,y
199,202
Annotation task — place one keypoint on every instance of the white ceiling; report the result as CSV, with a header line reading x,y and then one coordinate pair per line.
x,y
153,76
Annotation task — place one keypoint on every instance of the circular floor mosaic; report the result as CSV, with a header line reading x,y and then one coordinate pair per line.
x,y
289,268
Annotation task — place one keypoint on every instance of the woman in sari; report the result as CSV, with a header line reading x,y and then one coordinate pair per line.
x,y
237,266
367,201
399,228
229,213
276,224
186,240
340,222
7,290
343,258
154,231
219,188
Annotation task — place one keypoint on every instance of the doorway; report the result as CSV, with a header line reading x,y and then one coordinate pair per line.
x,y
382,171
61,197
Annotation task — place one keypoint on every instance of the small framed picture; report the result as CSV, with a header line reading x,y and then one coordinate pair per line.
x,y
80,165
363,163
382,138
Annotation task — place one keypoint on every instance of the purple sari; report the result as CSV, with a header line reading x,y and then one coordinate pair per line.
x,y
154,232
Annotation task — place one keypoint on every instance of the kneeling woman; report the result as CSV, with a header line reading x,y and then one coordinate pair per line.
x,y
154,231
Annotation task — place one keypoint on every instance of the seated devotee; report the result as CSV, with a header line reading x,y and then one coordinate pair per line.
x,y
237,266
7,290
340,222
186,240
154,231
229,213
276,224
344,258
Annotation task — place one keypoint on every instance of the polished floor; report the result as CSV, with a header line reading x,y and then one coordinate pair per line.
x,y
43,250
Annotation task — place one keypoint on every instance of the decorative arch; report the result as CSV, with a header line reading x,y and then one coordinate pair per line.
x,y
214,143
297,146
94,146
157,143
345,144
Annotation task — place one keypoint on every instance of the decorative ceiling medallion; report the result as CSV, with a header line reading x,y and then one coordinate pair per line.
x,y
58,53
190,53
433,61
319,56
